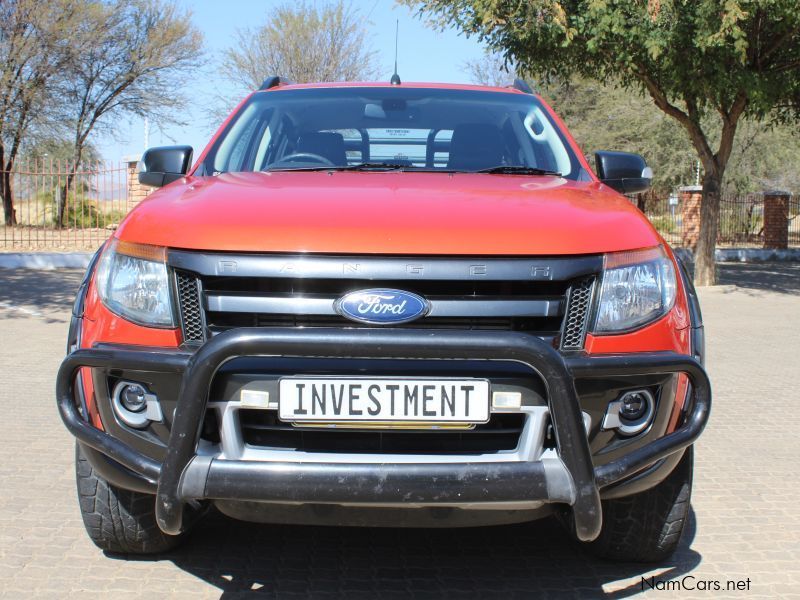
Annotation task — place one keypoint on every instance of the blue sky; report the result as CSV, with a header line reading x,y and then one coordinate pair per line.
x,y
424,55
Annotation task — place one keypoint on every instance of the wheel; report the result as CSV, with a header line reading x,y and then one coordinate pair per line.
x,y
118,520
647,527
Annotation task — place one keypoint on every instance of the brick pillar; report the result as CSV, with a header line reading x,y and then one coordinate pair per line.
x,y
776,219
136,191
690,198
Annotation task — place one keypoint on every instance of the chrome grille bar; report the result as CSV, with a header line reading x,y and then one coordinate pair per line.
x,y
439,308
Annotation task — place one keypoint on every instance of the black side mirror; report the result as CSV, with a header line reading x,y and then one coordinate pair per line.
x,y
165,164
625,172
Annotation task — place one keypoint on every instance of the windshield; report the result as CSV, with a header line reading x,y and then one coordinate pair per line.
x,y
392,128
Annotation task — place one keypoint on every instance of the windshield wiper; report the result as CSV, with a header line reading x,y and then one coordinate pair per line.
x,y
366,166
374,166
517,170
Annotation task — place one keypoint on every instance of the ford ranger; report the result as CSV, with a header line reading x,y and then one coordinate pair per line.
x,y
383,304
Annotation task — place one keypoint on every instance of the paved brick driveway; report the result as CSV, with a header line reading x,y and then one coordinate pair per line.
x,y
746,521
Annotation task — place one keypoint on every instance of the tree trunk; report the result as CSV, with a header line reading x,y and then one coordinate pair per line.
x,y
641,202
5,189
63,197
705,271
8,198
72,171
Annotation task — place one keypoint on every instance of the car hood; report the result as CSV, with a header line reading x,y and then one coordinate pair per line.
x,y
389,213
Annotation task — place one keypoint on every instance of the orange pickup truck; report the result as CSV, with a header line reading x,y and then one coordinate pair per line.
x,y
383,304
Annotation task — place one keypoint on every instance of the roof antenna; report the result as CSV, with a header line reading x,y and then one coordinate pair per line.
x,y
395,80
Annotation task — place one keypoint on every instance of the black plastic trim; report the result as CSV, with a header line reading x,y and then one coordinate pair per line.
x,y
556,370
274,81
369,483
117,474
370,343
522,86
74,334
140,359
385,268
698,336
634,364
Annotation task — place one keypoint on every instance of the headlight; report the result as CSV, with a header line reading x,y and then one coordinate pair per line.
x,y
132,282
638,288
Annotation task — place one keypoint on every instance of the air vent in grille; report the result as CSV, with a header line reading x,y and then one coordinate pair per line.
x,y
191,313
263,429
220,321
579,303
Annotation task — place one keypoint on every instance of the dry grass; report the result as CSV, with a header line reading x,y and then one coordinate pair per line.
x,y
31,239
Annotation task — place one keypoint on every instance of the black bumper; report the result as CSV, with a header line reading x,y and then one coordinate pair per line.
x,y
184,476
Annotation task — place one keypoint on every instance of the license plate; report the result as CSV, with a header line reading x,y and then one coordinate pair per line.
x,y
387,401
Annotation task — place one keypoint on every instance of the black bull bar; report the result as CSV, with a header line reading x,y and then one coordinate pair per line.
x,y
184,477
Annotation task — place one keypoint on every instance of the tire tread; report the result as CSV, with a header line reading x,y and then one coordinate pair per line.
x,y
117,520
647,527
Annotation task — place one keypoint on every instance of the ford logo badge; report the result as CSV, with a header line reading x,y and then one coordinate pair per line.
x,y
382,306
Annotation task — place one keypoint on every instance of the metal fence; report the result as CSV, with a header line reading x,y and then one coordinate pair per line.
x,y
741,219
794,221
59,207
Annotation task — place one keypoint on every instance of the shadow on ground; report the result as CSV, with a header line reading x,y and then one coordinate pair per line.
x,y
48,293
774,277
781,277
523,561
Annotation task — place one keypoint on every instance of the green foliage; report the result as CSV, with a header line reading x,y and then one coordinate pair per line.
x,y
706,50
741,222
86,214
665,224
706,63
44,149
605,117
602,116
765,158
81,211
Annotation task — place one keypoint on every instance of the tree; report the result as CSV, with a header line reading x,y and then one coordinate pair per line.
x,y
303,43
602,116
40,150
34,48
490,69
68,67
136,56
700,62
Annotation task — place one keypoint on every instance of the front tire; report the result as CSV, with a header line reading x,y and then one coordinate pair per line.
x,y
647,527
118,520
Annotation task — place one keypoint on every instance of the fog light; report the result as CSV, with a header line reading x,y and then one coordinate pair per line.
x,y
134,405
631,414
133,398
633,406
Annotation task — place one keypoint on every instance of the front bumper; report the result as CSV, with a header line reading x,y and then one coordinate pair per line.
x,y
571,478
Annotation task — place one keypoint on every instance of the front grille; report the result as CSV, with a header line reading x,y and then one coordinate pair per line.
x,y
221,321
263,429
550,298
578,309
190,309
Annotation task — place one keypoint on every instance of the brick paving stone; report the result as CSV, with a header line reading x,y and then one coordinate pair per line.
x,y
744,521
